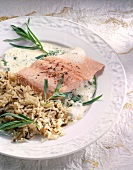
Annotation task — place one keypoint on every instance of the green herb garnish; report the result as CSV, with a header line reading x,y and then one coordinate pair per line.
x,y
41,57
95,84
66,95
59,84
24,47
57,95
45,89
95,81
8,69
16,39
50,53
76,98
4,62
22,120
54,52
26,35
91,101
56,91
14,58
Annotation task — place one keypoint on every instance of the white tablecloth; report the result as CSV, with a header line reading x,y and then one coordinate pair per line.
x,y
113,21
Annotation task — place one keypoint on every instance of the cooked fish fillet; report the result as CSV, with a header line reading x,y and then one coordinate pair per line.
x,y
75,70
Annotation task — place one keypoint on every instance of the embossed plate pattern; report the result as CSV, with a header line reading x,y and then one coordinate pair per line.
x,y
111,83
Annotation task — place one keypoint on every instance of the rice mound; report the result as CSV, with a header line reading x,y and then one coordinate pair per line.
x,y
15,98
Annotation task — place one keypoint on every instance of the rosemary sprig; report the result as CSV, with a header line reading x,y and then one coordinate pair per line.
x,y
26,35
21,121
65,95
56,91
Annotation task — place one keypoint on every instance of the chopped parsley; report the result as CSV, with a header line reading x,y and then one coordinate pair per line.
x,y
76,98
14,58
8,69
41,57
4,62
50,53
71,96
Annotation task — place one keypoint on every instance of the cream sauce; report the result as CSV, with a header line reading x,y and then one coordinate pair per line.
x,y
86,90
16,59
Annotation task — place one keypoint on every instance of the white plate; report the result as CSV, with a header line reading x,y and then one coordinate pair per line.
x,y
111,83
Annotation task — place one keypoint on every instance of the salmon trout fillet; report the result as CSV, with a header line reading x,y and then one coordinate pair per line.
x,y
53,67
